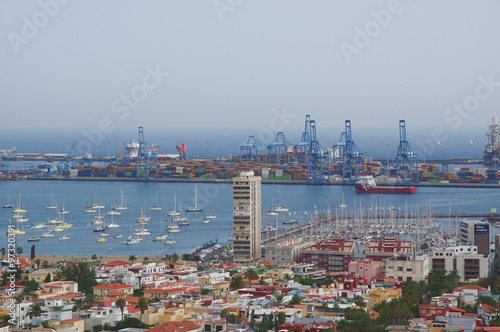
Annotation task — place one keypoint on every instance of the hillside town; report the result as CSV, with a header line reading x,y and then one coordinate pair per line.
x,y
319,287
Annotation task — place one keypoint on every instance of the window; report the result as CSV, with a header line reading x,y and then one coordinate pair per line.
x,y
400,268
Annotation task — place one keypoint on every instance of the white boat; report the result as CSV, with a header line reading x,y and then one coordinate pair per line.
x,y
8,205
170,241
195,208
118,236
113,212
142,232
104,234
64,237
160,237
63,211
279,208
97,205
210,216
90,210
173,228
47,234
53,205
65,225
174,212
123,202
112,224
205,221
143,219
132,241
58,229
38,226
22,219
157,207
184,223
33,239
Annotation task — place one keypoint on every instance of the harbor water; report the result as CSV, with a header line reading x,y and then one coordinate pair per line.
x,y
303,201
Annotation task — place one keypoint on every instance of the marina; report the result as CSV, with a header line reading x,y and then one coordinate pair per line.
x,y
303,202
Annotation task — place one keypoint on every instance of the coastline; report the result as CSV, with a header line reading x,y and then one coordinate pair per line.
x,y
281,182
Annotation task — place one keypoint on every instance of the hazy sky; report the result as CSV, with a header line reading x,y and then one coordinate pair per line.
x,y
204,63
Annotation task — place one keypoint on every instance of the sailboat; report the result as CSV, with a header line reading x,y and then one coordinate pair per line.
x,y
8,205
123,202
211,215
161,236
157,207
63,211
17,231
170,240
132,240
195,208
97,205
174,212
279,208
342,205
112,224
143,219
52,205
179,217
64,237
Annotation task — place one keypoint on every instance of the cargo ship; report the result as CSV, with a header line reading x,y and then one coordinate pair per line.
x,y
366,184
491,153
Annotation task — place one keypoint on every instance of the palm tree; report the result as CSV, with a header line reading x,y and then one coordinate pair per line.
x,y
279,299
90,301
186,257
143,305
19,250
57,308
3,251
237,283
132,258
19,299
46,324
251,275
121,303
79,305
175,258
34,310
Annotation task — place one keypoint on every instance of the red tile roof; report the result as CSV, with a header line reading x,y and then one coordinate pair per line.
x,y
175,326
113,286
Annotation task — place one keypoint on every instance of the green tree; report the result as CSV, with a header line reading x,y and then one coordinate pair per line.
x,y
38,263
46,324
359,301
138,292
186,257
132,258
237,283
19,250
121,303
206,291
79,305
250,275
90,300
395,312
57,308
436,282
175,258
82,274
279,299
30,286
45,264
295,300
142,305
452,280
48,278
324,306
94,256
424,246
34,310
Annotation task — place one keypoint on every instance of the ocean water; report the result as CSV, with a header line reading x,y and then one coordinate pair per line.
x,y
212,197
224,142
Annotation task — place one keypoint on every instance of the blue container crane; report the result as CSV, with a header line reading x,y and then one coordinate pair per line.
x,y
406,161
146,160
250,150
318,160
303,148
348,160
277,149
